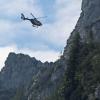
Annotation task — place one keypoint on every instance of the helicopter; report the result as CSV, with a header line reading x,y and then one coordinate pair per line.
x,y
35,22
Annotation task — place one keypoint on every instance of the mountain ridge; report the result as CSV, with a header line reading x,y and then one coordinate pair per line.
x,y
75,76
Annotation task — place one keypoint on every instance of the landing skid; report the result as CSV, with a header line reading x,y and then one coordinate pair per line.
x,y
35,26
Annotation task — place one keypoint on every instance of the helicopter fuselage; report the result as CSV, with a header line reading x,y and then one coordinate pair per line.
x,y
36,22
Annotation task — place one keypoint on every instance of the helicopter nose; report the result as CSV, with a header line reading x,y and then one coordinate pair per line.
x,y
40,24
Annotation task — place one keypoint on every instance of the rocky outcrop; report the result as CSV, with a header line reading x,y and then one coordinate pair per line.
x,y
47,85
25,78
18,70
82,55
17,73
89,20
88,25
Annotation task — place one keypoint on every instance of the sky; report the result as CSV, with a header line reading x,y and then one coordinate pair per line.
x,y
46,42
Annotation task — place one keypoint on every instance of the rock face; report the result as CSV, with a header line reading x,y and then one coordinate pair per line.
x,y
48,84
75,76
25,78
17,74
82,55
18,70
89,22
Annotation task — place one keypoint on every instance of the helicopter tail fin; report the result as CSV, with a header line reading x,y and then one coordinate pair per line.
x,y
22,16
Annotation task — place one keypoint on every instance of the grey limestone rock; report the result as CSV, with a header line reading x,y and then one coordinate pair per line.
x,y
44,81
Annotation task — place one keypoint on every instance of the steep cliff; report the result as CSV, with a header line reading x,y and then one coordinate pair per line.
x,y
75,76
82,55
17,74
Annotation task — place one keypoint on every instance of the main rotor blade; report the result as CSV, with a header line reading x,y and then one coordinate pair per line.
x,y
38,17
42,17
32,15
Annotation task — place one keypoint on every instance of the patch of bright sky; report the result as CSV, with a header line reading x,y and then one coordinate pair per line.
x,y
19,36
48,8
